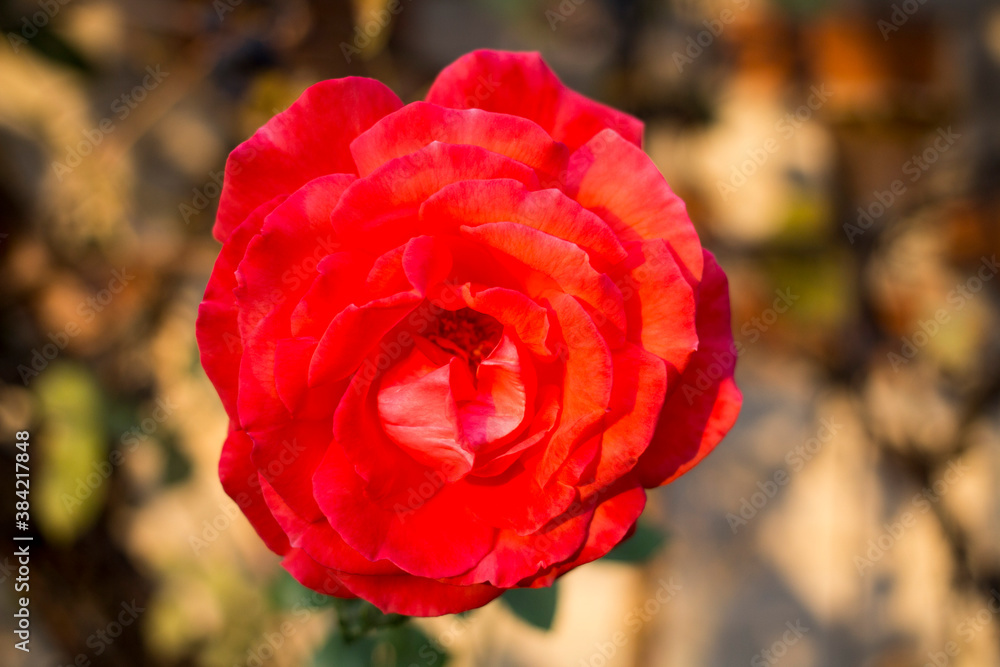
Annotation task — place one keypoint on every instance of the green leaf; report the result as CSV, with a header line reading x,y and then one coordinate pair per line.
x,y
537,606
641,547
389,647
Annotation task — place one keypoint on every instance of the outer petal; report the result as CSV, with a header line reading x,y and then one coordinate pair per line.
x,y
241,483
287,454
614,518
640,207
417,596
312,575
636,401
521,84
419,124
661,306
516,557
310,139
320,541
299,233
702,409
218,330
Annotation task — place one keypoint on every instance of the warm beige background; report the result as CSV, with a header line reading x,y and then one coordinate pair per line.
x,y
844,435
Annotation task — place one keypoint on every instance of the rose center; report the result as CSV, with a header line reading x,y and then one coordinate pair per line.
x,y
466,333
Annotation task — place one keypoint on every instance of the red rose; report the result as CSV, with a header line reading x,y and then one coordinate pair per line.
x,y
457,339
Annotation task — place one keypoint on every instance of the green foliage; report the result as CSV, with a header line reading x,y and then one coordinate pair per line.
x,y
641,547
536,606
363,635
389,647
286,593
358,618
72,469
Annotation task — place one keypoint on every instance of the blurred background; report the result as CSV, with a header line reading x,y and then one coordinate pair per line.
x,y
842,159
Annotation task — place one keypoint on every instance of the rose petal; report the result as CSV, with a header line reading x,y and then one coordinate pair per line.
x,y
299,232
287,454
419,124
521,84
310,139
505,386
702,409
517,557
661,308
417,596
560,261
550,211
433,537
240,481
636,400
511,308
354,332
620,508
379,212
217,328
640,207
587,382
321,542
420,414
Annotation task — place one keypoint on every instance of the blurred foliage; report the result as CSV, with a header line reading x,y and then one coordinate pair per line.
x,y
70,480
643,545
536,606
389,647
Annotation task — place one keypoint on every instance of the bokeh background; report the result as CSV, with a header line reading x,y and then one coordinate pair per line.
x,y
841,158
